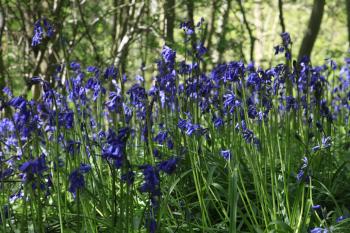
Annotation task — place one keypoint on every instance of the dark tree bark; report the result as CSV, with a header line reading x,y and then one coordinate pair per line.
x,y
222,41
348,16
2,65
169,9
312,29
212,24
211,30
280,9
250,32
190,16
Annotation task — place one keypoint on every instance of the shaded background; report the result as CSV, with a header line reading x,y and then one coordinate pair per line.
x,y
130,34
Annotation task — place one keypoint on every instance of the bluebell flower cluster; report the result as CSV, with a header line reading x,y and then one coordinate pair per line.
x,y
303,171
76,179
137,133
39,31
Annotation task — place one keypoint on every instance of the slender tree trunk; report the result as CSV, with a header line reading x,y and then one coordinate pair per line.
x,y
211,30
259,32
348,16
212,24
190,16
222,45
169,9
280,9
313,28
250,32
2,65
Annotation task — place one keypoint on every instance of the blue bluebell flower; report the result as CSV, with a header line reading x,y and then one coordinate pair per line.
x,y
34,167
341,218
48,27
6,173
187,27
201,50
168,55
151,180
278,49
76,180
302,174
161,137
7,91
128,177
18,103
38,33
84,168
319,230
111,72
218,122
286,38
168,166
226,154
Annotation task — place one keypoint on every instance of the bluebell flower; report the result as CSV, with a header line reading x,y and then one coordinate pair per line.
x,y
92,69
252,112
114,104
161,137
19,194
326,142
218,122
341,218
36,166
170,143
230,102
291,103
168,55
111,72
6,126
75,66
84,168
152,226
48,27
38,33
7,92
6,173
254,81
201,50
151,180
226,154
187,27
156,153
76,180
168,166
319,230
315,148
128,177
286,38
278,49
301,176
18,103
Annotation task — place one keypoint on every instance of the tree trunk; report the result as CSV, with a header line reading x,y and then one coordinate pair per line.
x,y
211,31
190,13
313,28
2,65
169,9
348,16
250,32
280,9
222,41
